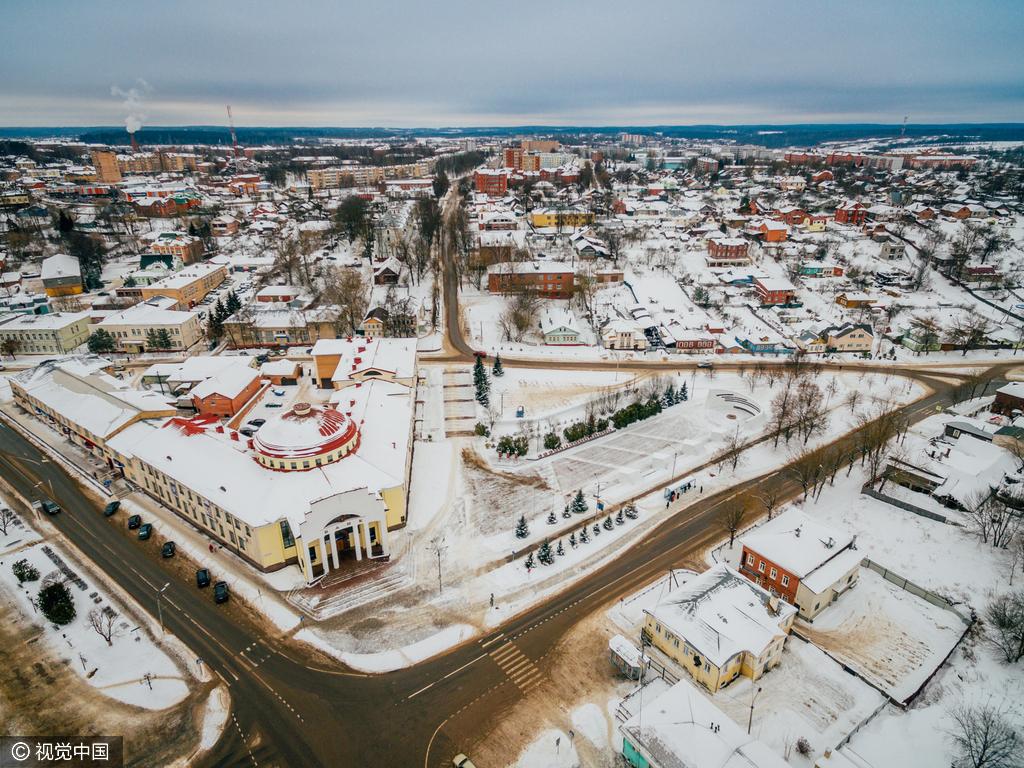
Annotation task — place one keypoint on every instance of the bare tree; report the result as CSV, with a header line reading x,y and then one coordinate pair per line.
x,y
991,519
730,516
984,736
7,516
520,314
769,499
347,292
732,451
1004,623
103,622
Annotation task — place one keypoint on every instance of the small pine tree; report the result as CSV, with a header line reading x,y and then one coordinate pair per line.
x,y
551,518
559,550
597,529
522,530
544,555
152,342
529,562
483,396
57,604
683,394
566,513
579,504
572,540
233,303
479,374
584,536
497,370
619,519
608,524
163,338
631,512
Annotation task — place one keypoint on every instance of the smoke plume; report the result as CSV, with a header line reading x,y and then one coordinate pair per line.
x,y
132,99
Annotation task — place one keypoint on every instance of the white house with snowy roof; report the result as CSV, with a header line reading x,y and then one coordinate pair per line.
x,y
719,626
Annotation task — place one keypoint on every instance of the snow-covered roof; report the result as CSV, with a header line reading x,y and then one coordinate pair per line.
x,y
282,367
682,728
148,313
60,265
186,451
51,321
720,614
355,355
197,368
77,389
230,382
797,542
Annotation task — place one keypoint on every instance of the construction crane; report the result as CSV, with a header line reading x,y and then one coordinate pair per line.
x,y
234,138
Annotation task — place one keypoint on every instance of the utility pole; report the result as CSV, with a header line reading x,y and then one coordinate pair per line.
x,y
159,609
438,547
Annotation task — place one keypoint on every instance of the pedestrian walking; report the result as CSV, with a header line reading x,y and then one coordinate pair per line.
x,y
492,599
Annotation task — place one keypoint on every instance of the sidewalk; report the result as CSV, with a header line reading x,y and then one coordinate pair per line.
x,y
264,591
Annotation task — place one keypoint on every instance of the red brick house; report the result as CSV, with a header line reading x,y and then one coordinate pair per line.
x,y
549,280
773,291
851,213
1009,398
723,251
224,395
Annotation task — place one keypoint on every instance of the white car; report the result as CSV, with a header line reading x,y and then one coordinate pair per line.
x,y
461,761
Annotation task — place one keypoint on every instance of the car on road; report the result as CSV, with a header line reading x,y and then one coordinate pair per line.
x,y
168,549
111,508
203,577
47,506
145,531
220,592
134,521
461,761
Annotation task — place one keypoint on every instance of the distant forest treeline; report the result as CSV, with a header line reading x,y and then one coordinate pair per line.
x,y
765,135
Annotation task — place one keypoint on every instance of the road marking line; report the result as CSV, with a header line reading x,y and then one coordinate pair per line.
x,y
506,651
494,639
514,669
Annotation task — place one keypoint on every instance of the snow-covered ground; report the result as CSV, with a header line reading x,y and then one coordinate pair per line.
x,y
132,668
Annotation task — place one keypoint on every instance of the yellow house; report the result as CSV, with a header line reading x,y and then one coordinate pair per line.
x,y
719,626
189,286
57,333
61,275
561,218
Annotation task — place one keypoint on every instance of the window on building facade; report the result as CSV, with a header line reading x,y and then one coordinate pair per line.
x,y
773,573
760,566
785,581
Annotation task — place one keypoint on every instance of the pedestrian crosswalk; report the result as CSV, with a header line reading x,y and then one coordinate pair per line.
x,y
517,666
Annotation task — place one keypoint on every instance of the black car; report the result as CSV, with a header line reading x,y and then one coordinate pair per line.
x,y
220,592
134,522
145,531
257,422
247,431
168,549
203,577
111,508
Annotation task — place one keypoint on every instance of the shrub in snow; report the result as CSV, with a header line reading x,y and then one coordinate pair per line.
x,y
597,529
559,550
619,519
481,430
631,511
497,370
551,518
608,524
25,571
56,604
529,562
572,540
551,441
566,513
803,746
584,536
522,530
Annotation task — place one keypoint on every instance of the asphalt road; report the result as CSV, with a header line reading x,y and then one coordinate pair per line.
x,y
291,708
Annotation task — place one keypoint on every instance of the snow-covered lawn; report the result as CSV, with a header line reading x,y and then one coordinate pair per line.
x,y
552,749
394,658
132,668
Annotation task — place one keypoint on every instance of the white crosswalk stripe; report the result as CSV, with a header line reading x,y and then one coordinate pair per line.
x,y
517,666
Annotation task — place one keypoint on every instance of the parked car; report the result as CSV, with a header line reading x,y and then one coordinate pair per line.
x,y
278,393
47,506
247,431
145,531
705,364
257,422
168,549
203,577
111,508
134,521
271,405
220,592
461,761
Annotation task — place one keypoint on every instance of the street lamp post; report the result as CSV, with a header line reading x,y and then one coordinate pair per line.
x,y
750,719
159,609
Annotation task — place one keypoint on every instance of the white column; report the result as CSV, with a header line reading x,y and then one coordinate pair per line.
x,y
334,549
324,561
355,536
382,537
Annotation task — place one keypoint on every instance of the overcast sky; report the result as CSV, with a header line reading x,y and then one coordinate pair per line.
x,y
481,62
